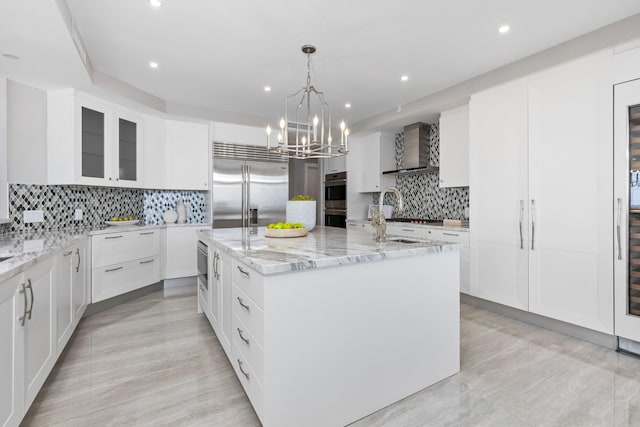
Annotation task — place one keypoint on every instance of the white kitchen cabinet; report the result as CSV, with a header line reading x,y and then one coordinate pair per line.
x,y
368,157
570,192
442,234
123,262
180,252
626,62
497,205
153,152
92,142
71,286
39,328
454,147
80,279
13,306
64,299
4,189
335,164
226,302
186,155
541,172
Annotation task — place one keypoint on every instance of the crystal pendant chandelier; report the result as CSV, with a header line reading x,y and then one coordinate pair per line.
x,y
308,135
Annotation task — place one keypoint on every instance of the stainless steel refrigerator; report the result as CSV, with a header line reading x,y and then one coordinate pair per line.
x,y
250,186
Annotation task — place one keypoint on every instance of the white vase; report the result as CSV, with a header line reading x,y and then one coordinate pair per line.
x,y
302,211
182,212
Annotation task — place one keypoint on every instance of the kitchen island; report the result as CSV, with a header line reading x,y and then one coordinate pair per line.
x,y
328,328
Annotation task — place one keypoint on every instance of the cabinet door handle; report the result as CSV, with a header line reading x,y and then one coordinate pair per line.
x,y
146,233
216,268
533,223
78,266
409,229
113,237
246,340
23,318
246,374
32,299
113,269
67,253
147,261
241,302
451,234
520,224
618,220
243,272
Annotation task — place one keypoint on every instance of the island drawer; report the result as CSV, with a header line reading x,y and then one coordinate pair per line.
x,y
248,380
248,346
249,281
249,314
113,248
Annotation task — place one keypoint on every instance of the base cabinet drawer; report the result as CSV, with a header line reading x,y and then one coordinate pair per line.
x,y
248,380
249,314
117,279
114,248
247,345
249,281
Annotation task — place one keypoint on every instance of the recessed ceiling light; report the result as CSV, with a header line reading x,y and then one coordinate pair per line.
x,y
504,29
10,56
347,105
267,88
404,78
153,64
156,3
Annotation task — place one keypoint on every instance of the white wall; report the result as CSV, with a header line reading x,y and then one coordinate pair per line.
x,y
4,196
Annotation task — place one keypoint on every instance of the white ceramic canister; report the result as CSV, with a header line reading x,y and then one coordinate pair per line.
x,y
182,212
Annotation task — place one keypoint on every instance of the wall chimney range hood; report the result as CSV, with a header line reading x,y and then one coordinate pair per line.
x,y
416,151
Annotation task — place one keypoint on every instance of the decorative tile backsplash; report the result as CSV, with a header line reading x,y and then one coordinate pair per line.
x,y
59,202
423,198
156,202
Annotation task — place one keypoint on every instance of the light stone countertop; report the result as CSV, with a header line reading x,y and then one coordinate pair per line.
x,y
27,249
323,247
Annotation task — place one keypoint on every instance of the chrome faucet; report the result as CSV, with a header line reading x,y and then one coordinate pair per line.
x,y
377,219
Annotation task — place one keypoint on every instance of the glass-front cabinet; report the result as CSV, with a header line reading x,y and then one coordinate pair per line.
x,y
627,208
109,144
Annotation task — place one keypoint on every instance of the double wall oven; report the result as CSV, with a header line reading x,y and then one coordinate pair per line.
x,y
335,200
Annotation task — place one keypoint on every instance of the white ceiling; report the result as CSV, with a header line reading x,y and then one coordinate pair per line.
x,y
219,55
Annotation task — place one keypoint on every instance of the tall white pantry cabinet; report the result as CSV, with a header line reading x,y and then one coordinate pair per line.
x,y
541,168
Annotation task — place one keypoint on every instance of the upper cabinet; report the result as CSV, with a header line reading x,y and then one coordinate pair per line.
x,y
106,148
335,164
368,156
454,147
187,155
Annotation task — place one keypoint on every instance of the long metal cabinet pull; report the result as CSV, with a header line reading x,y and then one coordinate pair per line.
x,y
216,268
23,318
78,266
147,261
618,220
113,237
113,269
533,223
30,293
520,225
67,253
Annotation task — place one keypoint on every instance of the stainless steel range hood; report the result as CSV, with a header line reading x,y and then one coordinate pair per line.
x,y
416,150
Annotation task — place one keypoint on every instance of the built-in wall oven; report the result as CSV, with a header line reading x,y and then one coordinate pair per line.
x,y
335,200
203,275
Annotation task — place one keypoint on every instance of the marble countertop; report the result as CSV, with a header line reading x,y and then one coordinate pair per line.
x,y
27,249
323,247
411,224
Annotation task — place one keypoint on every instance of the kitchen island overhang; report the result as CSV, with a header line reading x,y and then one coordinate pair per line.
x,y
346,326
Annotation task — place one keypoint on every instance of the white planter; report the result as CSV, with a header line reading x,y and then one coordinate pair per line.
x,y
302,211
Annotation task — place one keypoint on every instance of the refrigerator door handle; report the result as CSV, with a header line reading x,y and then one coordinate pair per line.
x,y
247,215
244,194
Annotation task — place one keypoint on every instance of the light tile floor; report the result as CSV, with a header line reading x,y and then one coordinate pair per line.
x,y
155,361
